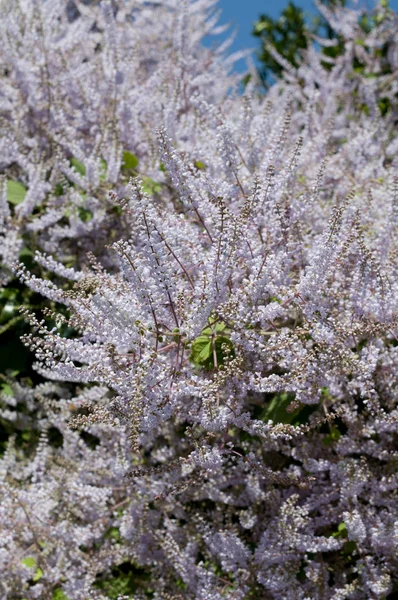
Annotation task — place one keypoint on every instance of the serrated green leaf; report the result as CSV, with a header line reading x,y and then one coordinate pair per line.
x,y
205,353
202,350
29,562
79,166
210,340
130,161
16,192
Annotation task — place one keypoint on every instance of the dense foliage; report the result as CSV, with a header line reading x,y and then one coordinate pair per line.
x,y
287,36
210,291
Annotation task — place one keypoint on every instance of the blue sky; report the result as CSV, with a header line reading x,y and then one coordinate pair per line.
x,y
242,14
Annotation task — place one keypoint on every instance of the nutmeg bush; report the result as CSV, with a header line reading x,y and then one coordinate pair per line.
x,y
209,291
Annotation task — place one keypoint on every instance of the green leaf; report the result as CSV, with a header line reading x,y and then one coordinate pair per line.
x,y
341,530
6,389
349,547
218,327
59,190
124,580
85,214
202,350
260,26
114,533
13,355
130,161
26,256
181,584
8,293
38,575
8,311
79,166
16,192
333,437
104,167
25,252
276,409
29,562
117,210
58,594
384,105
177,335
342,527
365,109
150,186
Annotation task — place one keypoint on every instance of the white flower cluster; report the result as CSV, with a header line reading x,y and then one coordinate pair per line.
x,y
221,313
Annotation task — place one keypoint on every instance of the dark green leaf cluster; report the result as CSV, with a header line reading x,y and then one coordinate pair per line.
x,y
212,347
292,33
287,35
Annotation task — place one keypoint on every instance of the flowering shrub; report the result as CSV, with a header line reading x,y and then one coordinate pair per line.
x,y
214,413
